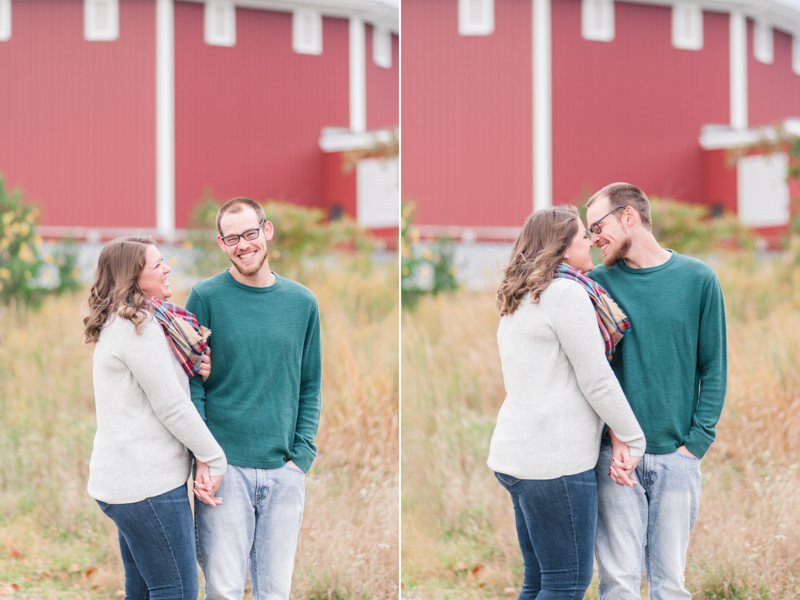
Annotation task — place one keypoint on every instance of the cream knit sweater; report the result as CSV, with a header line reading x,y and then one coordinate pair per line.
x,y
560,389
145,417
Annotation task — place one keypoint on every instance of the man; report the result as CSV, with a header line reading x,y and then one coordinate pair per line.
x,y
672,366
262,403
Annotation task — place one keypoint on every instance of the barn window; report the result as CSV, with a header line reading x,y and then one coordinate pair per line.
x,y
796,54
597,20
100,20
762,42
763,190
307,31
475,17
5,20
382,47
687,26
220,23
377,185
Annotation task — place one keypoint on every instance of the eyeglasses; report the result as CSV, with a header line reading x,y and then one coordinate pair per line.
x,y
249,235
595,227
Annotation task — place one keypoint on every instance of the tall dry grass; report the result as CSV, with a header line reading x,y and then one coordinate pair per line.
x,y
55,542
458,531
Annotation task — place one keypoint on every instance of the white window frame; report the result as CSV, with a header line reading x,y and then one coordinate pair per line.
x,y
762,190
796,54
763,47
475,17
377,192
93,30
687,26
219,23
5,20
597,20
307,21
382,47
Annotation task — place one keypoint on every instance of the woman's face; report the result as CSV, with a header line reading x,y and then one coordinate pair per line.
x,y
577,255
153,279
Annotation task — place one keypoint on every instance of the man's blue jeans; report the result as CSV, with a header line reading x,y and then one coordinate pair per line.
x,y
257,524
555,526
156,539
646,527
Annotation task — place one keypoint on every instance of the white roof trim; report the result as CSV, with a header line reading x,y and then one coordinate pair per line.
x,y
721,137
370,11
343,140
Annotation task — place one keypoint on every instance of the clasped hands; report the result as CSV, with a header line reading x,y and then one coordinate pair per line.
x,y
623,464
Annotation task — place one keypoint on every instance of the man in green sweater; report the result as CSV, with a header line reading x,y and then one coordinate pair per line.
x,y
672,366
262,403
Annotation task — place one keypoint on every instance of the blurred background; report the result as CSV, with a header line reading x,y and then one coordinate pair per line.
x,y
511,106
122,117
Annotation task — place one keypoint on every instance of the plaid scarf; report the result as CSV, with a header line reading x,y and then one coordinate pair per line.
x,y
610,318
185,335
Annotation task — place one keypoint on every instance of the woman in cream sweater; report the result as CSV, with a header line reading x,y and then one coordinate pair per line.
x,y
146,423
557,333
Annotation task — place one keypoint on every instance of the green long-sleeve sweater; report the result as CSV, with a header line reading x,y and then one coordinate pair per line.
x,y
262,399
673,362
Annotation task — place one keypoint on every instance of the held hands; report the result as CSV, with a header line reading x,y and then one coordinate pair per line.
x,y
622,463
205,365
205,486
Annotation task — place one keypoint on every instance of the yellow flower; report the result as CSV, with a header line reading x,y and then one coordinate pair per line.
x,y
47,276
28,275
415,235
75,274
5,273
173,261
188,245
406,272
24,229
405,250
15,228
48,258
427,254
37,241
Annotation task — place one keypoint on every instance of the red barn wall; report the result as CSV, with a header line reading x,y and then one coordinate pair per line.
x,y
632,109
82,115
467,115
773,90
383,87
250,116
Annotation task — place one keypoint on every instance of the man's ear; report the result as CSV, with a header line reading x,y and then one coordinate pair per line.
x,y
221,244
269,230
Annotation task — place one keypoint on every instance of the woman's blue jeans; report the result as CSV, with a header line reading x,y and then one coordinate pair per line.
x,y
156,539
556,520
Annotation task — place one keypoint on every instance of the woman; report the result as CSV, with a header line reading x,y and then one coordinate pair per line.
x,y
146,419
560,390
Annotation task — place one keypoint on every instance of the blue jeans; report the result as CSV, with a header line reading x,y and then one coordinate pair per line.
x,y
257,523
555,526
156,540
646,527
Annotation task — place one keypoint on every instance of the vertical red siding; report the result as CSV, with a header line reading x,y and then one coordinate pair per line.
x,y
383,87
773,90
467,115
720,184
77,118
250,116
632,109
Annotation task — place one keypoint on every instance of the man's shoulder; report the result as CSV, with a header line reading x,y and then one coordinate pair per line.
x,y
298,291
695,267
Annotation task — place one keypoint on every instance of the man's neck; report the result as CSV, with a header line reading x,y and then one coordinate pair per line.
x,y
264,277
646,253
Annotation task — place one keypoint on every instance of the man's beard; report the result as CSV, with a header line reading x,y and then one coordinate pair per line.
x,y
252,270
611,259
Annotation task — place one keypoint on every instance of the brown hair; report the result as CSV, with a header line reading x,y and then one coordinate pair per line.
x,y
625,194
237,205
539,248
116,286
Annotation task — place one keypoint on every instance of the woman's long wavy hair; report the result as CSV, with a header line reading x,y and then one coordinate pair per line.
x,y
116,286
539,249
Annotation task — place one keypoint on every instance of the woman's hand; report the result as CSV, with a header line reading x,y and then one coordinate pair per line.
x,y
622,463
205,365
205,486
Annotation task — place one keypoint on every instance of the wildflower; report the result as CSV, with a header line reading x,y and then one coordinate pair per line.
x,y
47,276
5,273
48,258
28,274
415,235
173,261
74,274
427,254
188,245
406,272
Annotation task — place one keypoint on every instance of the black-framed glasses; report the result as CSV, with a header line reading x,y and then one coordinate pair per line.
x,y
249,235
596,228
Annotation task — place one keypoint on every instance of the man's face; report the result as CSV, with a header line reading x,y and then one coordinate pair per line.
x,y
247,256
614,238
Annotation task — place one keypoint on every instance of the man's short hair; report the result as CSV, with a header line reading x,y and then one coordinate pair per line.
x,y
236,205
625,194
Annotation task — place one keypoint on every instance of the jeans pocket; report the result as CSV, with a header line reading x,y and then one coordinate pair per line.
x,y
506,479
103,505
295,469
686,456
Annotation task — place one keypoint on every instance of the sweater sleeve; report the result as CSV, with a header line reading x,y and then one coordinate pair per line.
x,y
575,324
197,388
712,364
304,450
147,355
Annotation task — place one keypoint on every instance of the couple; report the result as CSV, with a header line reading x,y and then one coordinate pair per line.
x,y
575,489
252,417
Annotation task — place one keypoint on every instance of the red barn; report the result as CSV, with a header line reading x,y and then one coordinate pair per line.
x,y
515,105
119,115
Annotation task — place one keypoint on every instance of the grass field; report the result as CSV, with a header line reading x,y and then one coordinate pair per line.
x,y
458,535
55,542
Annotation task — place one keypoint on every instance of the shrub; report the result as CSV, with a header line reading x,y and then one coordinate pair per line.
x,y
301,233
25,275
425,269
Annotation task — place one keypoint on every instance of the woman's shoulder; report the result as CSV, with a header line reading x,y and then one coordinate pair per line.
x,y
119,328
563,290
